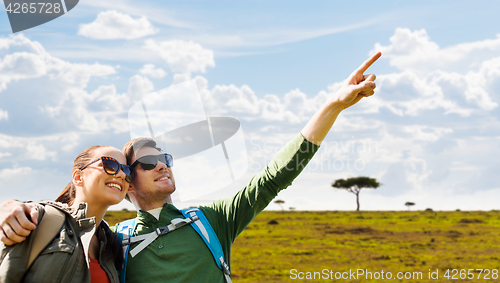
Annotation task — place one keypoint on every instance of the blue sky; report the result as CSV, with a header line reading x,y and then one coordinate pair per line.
x,y
429,134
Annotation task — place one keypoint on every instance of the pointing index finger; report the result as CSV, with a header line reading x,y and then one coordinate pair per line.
x,y
369,62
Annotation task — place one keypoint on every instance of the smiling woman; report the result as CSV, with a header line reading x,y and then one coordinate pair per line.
x,y
99,180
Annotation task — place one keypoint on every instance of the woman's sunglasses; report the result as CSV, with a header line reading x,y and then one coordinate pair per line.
x,y
149,162
112,167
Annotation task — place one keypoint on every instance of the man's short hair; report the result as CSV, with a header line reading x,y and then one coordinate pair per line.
x,y
134,145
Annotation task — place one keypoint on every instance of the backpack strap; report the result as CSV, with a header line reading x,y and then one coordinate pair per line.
x,y
148,238
125,231
207,233
47,229
198,221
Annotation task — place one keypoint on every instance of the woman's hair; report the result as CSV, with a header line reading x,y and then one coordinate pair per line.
x,y
68,194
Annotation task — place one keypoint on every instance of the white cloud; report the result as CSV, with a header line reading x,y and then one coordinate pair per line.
x,y
462,166
180,78
28,183
110,100
232,98
4,115
426,133
139,87
38,151
408,93
242,102
79,74
53,92
5,154
37,147
115,25
21,65
478,84
25,59
416,51
183,56
10,173
161,16
150,70
416,172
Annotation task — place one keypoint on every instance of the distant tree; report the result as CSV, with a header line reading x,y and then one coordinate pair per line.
x,y
280,202
292,208
355,185
409,204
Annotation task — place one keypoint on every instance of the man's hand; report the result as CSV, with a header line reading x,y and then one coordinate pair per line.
x,y
358,85
354,88
15,225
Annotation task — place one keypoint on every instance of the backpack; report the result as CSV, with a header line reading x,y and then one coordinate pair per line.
x,y
46,230
193,216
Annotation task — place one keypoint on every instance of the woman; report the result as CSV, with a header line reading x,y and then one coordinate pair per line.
x,y
85,250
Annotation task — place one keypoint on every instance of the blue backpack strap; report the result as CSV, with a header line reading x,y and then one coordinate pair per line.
x,y
207,233
125,231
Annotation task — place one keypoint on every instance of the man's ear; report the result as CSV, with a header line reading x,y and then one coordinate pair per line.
x,y
130,192
131,196
77,178
131,188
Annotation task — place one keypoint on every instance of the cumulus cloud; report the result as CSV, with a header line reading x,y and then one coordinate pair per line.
x,y
183,56
43,90
115,25
32,148
416,172
410,93
150,70
22,59
232,98
4,115
25,59
14,172
458,79
242,102
28,183
415,51
139,86
426,133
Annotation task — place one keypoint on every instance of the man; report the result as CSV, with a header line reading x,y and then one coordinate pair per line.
x,y
182,256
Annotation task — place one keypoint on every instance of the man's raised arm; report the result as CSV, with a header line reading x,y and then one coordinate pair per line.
x,y
15,224
353,89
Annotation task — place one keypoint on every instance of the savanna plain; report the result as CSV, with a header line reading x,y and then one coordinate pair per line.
x,y
423,246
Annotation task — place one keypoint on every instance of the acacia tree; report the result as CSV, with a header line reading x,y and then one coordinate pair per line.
x,y
280,202
409,204
355,185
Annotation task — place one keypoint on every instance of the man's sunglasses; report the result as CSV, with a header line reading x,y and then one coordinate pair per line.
x,y
112,167
149,162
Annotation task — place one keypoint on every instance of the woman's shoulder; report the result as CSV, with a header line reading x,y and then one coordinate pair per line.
x,y
59,205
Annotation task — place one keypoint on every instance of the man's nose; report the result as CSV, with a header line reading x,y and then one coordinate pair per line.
x,y
161,166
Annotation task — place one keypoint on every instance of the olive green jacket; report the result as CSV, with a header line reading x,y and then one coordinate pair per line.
x,y
65,259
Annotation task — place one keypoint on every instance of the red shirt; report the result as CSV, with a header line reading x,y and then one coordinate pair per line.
x,y
97,274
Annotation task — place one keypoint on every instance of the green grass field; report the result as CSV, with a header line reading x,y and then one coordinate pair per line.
x,y
333,243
